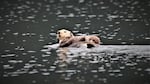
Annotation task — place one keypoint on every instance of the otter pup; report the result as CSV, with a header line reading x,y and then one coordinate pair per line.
x,y
66,39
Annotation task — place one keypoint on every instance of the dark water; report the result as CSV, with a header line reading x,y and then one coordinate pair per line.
x,y
106,64
27,26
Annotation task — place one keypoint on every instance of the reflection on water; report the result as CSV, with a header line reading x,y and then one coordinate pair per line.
x,y
106,64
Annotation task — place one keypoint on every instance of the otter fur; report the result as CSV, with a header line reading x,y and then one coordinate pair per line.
x,y
66,39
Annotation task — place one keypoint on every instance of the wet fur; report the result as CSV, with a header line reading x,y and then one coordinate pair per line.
x,y
66,39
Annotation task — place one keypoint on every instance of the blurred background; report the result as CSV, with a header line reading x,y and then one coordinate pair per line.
x,y
28,25
115,21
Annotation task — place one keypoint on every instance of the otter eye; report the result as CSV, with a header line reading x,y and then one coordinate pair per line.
x,y
58,32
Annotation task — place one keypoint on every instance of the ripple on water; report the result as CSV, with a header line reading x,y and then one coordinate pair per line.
x,y
31,51
59,71
70,71
32,61
52,68
45,55
8,55
115,71
131,64
8,66
147,70
94,71
101,69
27,66
33,71
45,73
15,61
21,48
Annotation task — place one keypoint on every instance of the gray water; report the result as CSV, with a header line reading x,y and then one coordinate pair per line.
x,y
28,31
106,64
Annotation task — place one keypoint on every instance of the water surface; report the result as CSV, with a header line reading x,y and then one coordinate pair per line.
x,y
27,27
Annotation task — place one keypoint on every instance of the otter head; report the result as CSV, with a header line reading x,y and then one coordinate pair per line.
x,y
64,34
92,41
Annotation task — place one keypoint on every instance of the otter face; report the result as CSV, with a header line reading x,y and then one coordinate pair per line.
x,y
64,34
93,39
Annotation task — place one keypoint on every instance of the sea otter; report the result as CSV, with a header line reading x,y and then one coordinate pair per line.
x,y
66,39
